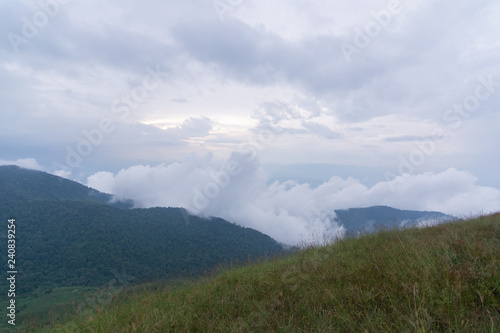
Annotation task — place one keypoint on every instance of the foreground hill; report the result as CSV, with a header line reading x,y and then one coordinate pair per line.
x,y
67,235
444,278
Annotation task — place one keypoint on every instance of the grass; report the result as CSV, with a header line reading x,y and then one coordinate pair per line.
x,y
443,278
48,306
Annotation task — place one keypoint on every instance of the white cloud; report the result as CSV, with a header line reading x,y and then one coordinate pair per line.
x,y
288,211
31,163
102,181
451,191
28,163
62,173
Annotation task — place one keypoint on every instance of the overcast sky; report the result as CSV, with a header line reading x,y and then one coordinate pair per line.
x,y
203,103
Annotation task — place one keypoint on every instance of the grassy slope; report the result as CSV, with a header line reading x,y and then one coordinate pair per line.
x,y
443,278
58,301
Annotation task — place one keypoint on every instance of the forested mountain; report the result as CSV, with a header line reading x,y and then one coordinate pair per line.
x,y
67,234
27,185
371,218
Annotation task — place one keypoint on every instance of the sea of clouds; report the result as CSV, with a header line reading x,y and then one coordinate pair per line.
x,y
237,189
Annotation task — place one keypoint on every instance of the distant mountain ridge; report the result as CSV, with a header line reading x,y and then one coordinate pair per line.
x,y
370,218
68,234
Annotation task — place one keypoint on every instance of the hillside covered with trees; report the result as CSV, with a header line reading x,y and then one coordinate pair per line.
x,y
67,235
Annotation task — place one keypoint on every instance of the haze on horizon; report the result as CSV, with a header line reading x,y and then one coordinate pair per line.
x,y
268,115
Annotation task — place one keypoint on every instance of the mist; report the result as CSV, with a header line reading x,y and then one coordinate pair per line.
x,y
237,190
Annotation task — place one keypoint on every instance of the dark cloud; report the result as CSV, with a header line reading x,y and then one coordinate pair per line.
x,y
257,56
413,138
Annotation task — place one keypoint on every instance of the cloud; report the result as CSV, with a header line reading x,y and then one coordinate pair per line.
x,y
192,127
260,57
28,163
404,138
417,67
321,130
169,185
298,118
31,163
102,181
451,191
179,100
377,82
287,211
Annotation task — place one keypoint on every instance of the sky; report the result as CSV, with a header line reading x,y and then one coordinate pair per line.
x,y
269,114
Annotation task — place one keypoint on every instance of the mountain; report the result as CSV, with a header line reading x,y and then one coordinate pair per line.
x,y
28,185
371,218
67,234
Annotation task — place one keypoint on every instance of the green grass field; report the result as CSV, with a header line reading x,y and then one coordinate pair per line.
x,y
48,306
444,278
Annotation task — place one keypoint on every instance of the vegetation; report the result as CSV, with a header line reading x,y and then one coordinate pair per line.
x,y
68,235
89,244
437,279
25,184
69,239
51,305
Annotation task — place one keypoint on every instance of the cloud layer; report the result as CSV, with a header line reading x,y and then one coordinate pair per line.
x,y
288,211
410,87
67,65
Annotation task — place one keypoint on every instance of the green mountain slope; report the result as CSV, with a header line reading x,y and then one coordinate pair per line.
x,y
19,184
68,236
444,278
